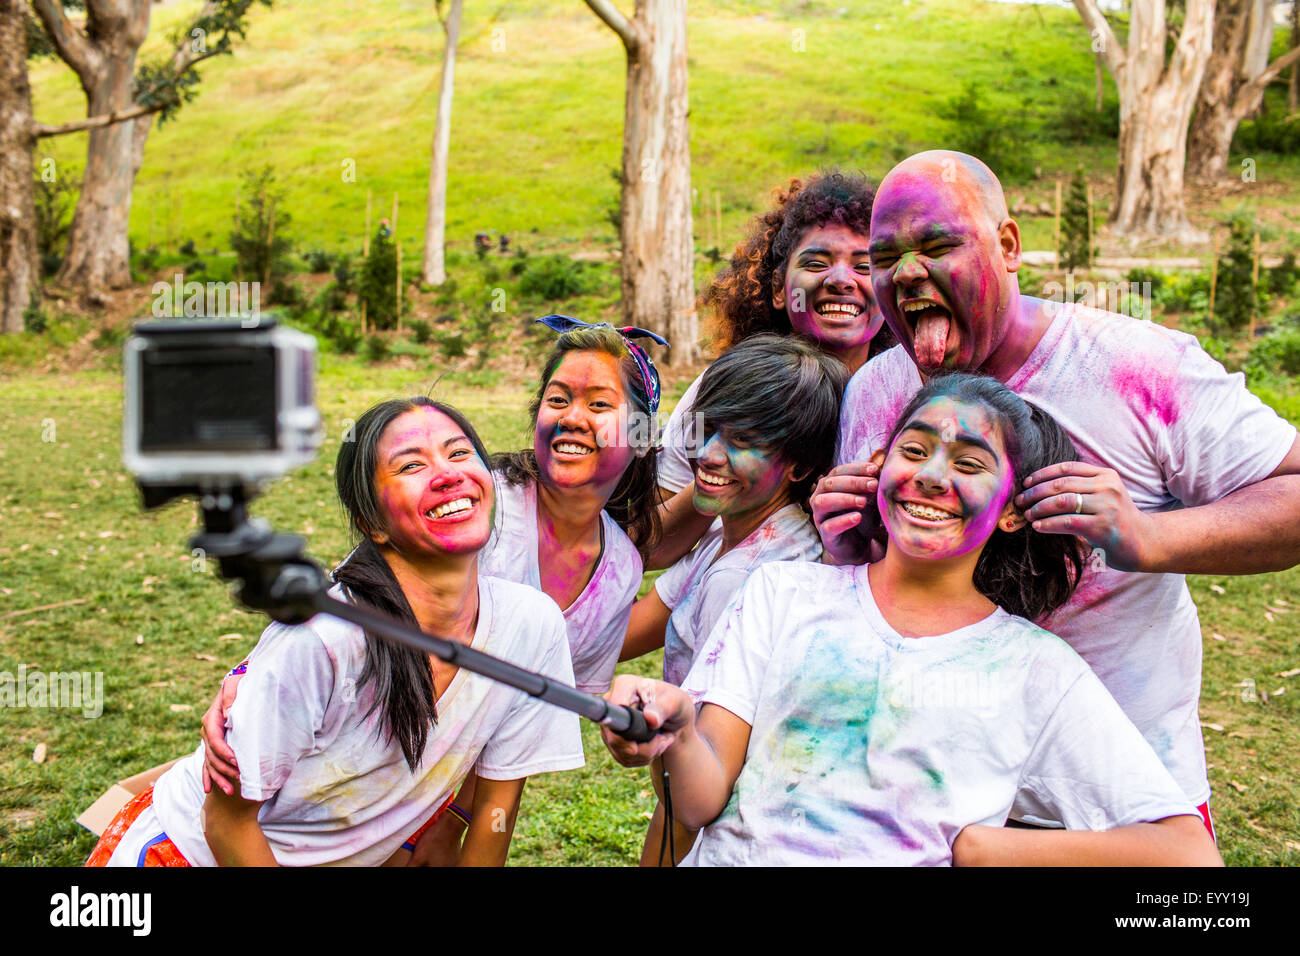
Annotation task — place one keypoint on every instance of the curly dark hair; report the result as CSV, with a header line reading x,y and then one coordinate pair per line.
x,y
740,296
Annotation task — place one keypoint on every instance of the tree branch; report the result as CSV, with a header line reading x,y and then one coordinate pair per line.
x,y
72,45
1255,88
117,116
94,122
616,22
183,58
1098,27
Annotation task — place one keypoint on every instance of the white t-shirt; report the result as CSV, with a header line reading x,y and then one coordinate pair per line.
x,y
871,748
673,462
597,619
1149,403
337,789
697,589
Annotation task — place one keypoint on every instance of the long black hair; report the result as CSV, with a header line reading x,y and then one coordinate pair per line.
x,y
402,677
1025,572
634,502
783,390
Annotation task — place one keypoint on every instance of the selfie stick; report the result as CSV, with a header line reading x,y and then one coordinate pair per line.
x,y
291,588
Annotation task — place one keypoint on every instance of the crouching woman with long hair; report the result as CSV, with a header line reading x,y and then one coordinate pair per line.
x,y
345,743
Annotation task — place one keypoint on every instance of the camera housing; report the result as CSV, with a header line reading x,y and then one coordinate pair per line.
x,y
217,405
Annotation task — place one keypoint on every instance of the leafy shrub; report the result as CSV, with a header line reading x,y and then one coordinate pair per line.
x,y
552,278
343,274
1277,352
984,133
111,337
1283,278
377,286
1077,120
447,292
187,248
343,334
1236,297
377,348
54,199
422,331
284,293
260,236
331,299
1076,249
452,345
1189,292
35,318
318,260
1157,279
1271,132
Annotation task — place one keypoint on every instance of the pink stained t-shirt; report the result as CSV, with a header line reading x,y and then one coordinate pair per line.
x,y
597,619
1149,403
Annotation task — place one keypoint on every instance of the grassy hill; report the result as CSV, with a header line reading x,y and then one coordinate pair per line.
x,y
776,89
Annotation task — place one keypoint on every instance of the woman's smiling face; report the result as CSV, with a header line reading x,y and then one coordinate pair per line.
x,y
945,481
581,434
734,476
827,291
435,493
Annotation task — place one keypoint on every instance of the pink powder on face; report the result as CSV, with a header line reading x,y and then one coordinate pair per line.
x,y
1151,390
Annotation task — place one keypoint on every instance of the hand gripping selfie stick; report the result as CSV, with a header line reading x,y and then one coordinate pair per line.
x,y
279,580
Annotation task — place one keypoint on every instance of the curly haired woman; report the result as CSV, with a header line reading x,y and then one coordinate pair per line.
x,y
802,270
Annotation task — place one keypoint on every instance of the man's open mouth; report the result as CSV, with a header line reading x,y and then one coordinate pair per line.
x,y
931,325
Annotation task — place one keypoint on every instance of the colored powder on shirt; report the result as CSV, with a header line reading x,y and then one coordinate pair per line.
x,y
1152,390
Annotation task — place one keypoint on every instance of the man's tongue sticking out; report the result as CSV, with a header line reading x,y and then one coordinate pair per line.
x,y
931,339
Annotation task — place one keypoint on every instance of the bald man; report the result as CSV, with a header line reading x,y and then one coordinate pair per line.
x,y
1181,470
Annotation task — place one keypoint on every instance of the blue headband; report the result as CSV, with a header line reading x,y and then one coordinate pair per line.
x,y
649,375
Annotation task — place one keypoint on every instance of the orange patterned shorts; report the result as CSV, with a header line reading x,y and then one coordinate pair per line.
x,y
160,852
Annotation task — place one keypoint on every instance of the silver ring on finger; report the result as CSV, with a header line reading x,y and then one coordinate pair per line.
x,y
1078,503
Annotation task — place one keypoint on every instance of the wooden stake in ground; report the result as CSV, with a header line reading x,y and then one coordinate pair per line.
x,y
365,254
1090,226
270,236
398,277
1214,269
1254,288
1056,231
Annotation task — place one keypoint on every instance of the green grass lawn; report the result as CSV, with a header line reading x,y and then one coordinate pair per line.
x,y
163,630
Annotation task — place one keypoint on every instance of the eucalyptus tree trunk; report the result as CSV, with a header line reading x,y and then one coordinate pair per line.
x,y
1156,96
103,55
435,229
655,228
1236,77
19,268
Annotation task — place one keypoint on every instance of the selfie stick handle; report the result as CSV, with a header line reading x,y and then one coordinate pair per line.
x,y
279,579
624,721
